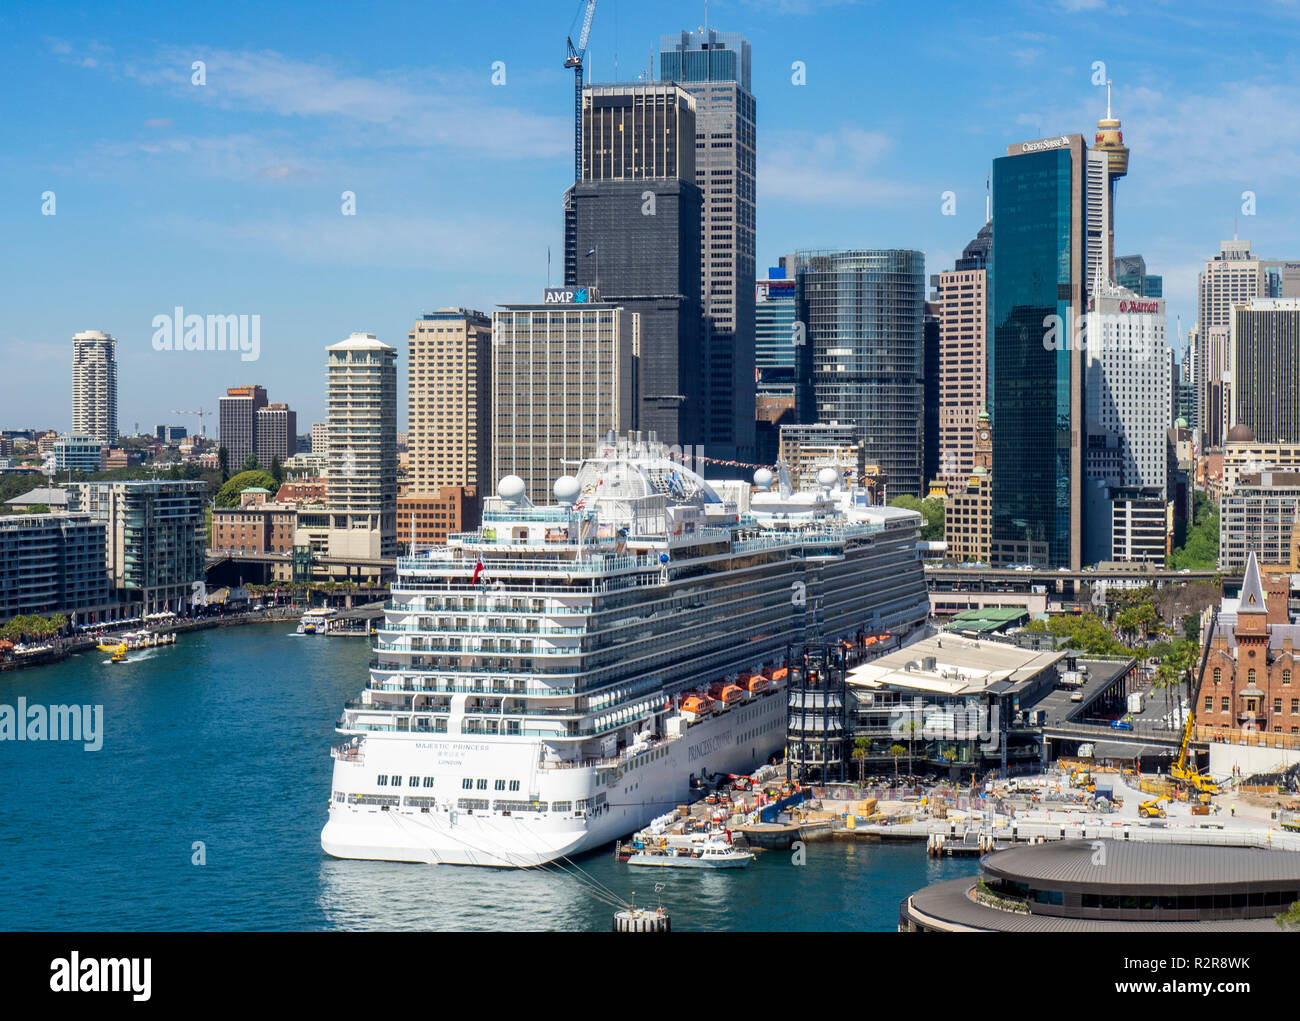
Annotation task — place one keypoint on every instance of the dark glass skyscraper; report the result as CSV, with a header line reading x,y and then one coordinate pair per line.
x,y
865,313
1038,292
714,68
635,237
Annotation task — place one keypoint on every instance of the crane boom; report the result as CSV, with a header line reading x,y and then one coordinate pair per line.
x,y
576,55
1180,770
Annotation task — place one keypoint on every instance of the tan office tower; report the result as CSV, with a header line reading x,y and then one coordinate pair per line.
x,y
94,386
449,401
962,296
361,388
563,375
1232,277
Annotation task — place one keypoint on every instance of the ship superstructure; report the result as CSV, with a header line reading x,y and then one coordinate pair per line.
x,y
531,695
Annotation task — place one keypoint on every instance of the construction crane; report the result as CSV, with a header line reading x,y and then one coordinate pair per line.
x,y
1180,770
203,429
574,60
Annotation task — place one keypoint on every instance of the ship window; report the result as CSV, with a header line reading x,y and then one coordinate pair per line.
x,y
397,780
382,780
467,783
500,785
413,781
482,785
514,785
428,781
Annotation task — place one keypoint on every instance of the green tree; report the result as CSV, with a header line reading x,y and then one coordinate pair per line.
x,y
1289,919
897,751
861,749
250,464
39,508
223,463
277,469
1201,550
228,495
931,511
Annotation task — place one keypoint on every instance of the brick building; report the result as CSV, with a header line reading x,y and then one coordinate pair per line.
x,y
256,526
1250,678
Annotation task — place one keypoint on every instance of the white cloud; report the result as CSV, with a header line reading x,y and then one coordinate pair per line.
x,y
832,168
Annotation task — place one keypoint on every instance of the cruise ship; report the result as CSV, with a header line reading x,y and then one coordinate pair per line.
x,y
541,686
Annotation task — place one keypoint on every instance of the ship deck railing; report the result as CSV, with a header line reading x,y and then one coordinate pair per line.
x,y
462,629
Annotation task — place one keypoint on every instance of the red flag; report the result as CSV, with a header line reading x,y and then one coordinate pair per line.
x,y
478,569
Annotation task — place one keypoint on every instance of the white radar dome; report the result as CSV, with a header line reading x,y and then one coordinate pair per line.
x,y
827,477
511,489
566,489
762,478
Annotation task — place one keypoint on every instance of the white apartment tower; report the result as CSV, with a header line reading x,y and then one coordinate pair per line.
x,y
94,386
362,457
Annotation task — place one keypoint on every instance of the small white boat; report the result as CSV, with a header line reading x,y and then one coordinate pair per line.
x,y
714,853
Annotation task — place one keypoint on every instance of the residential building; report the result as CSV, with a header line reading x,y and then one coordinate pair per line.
x,y
76,452
426,519
320,438
94,386
53,563
449,398
155,539
865,316
361,382
1243,454
714,68
563,376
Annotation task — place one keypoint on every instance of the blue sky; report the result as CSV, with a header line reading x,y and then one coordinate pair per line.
x,y
225,198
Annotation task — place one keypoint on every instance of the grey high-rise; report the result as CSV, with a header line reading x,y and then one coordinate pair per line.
x,y
865,315
714,67
635,239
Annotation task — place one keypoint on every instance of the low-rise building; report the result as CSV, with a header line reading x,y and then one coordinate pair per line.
x,y
433,516
75,452
257,526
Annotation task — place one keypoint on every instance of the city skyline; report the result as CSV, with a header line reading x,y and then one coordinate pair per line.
x,y
226,200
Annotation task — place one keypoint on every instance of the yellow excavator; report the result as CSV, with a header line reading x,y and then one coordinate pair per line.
x,y
1180,771
1153,808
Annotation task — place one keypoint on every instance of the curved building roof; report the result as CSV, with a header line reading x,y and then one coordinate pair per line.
x,y
1070,865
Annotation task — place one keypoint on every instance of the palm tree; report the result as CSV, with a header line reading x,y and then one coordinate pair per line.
x,y
861,746
896,750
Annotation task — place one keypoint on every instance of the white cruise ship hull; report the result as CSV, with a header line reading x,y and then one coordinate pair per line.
x,y
617,799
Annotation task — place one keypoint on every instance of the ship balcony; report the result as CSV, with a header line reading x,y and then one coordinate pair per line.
x,y
348,753
495,688
476,650
423,608
523,632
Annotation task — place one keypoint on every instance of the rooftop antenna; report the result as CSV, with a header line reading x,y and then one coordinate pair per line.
x,y
988,198
1108,116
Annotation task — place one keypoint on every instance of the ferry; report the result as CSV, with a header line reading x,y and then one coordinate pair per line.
x,y
317,622
541,686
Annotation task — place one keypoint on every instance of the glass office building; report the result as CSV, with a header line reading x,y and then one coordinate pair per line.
x,y
865,312
1038,287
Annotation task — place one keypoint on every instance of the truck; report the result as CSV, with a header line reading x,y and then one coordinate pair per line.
x,y
1135,702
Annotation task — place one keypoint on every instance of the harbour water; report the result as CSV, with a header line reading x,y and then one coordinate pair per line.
x,y
218,747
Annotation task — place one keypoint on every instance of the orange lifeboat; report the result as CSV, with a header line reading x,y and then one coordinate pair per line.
x,y
731,693
698,705
757,684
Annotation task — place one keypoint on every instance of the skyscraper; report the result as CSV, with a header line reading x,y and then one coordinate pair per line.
x,y
1263,379
563,376
1232,277
94,386
637,235
782,356
1038,294
449,399
1131,272
714,67
865,317
449,383
237,422
361,390
276,434
962,299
